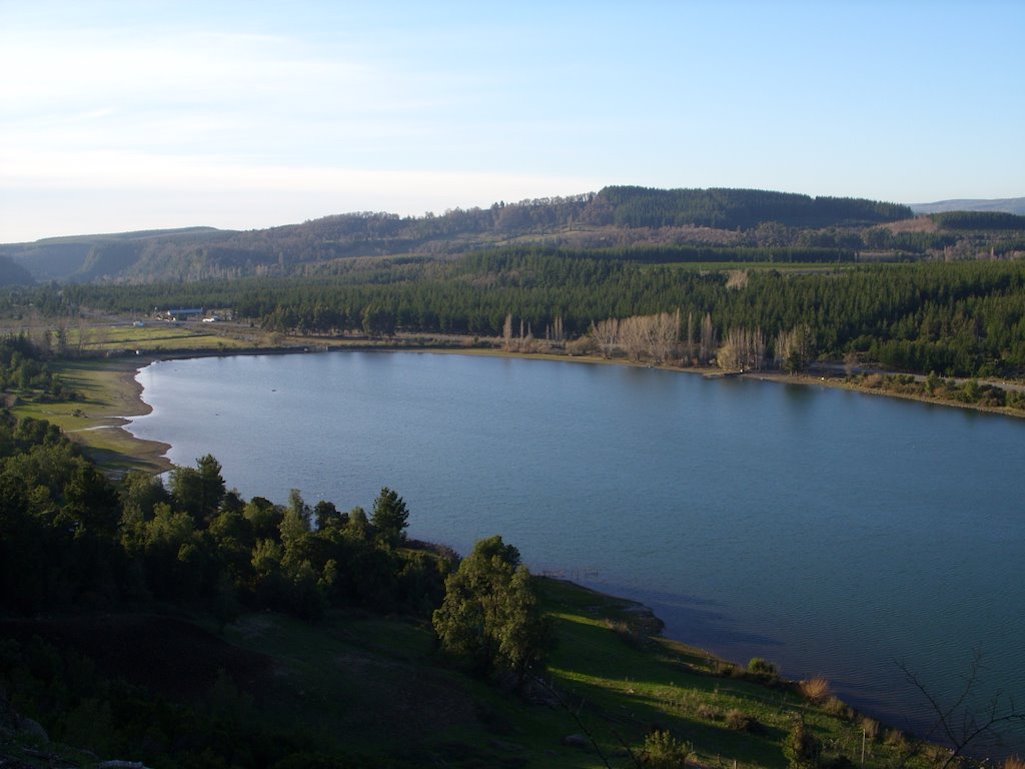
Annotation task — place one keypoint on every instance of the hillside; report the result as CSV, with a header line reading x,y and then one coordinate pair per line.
x,y
615,216
12,273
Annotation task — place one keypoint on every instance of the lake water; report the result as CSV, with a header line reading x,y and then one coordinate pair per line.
x,y
833,533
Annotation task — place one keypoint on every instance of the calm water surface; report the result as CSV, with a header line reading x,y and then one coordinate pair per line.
x,y
831,532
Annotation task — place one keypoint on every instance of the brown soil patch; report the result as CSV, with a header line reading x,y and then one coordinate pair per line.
x,y
918,224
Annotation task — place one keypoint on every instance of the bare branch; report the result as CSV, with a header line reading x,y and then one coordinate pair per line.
x,y
958,724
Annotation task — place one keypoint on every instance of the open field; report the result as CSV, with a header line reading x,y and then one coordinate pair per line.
x,y
109,394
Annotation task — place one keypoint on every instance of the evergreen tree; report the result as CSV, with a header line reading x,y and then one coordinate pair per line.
x,y
390,517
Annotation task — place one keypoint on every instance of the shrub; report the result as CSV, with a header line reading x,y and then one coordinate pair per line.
x,y
664,751
582,346
836,707
896,739
801,748
871,728
816,689
1013,762
742,722
762,669
709,713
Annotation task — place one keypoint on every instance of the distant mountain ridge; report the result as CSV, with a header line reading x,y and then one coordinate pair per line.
x,y
1000,205
617,217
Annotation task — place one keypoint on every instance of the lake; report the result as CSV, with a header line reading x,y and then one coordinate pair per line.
x,y
831,532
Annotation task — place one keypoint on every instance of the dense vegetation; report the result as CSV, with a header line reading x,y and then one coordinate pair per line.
x,y
955,319
731,208
73,539
24,372
70,541
979,220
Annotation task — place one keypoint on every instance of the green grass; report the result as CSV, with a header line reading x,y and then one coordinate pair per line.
x,y
108,395
156,337
376,686
365,684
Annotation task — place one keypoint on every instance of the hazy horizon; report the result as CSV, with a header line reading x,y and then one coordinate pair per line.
x,y
128,116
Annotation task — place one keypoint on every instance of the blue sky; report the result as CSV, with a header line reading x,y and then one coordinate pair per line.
x,y
130,115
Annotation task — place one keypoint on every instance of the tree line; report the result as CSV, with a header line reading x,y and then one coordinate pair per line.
x,y
25,372
957,319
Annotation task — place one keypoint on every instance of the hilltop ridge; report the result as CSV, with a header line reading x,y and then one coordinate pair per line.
x,y
614,216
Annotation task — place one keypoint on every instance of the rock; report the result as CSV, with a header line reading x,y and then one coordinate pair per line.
x,y
30,728
576,741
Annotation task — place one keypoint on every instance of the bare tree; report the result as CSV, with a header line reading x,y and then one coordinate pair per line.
x,y
960,724
633,336
663,333
558,334
736,279
606,335
742,350
656,336
794,348
689,350
507,331
707,343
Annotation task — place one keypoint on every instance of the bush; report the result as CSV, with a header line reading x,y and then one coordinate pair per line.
x,y
662,750
742,722
815,690
896,739
802,749
709,713
837,708
762,670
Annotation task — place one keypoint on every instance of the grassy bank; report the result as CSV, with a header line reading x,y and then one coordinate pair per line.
x,y
374,687
108,395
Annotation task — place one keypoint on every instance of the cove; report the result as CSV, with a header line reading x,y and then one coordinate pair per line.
x,y
831,532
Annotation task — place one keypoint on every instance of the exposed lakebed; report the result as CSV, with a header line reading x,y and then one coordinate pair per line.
x,y
831,532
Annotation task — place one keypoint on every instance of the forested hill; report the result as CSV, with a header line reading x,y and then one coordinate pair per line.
x,y
615,216
732,208
12,273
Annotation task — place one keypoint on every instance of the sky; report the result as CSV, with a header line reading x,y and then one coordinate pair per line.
x,y
119,116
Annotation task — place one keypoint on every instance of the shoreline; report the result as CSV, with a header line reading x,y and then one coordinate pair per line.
x,y
150,456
